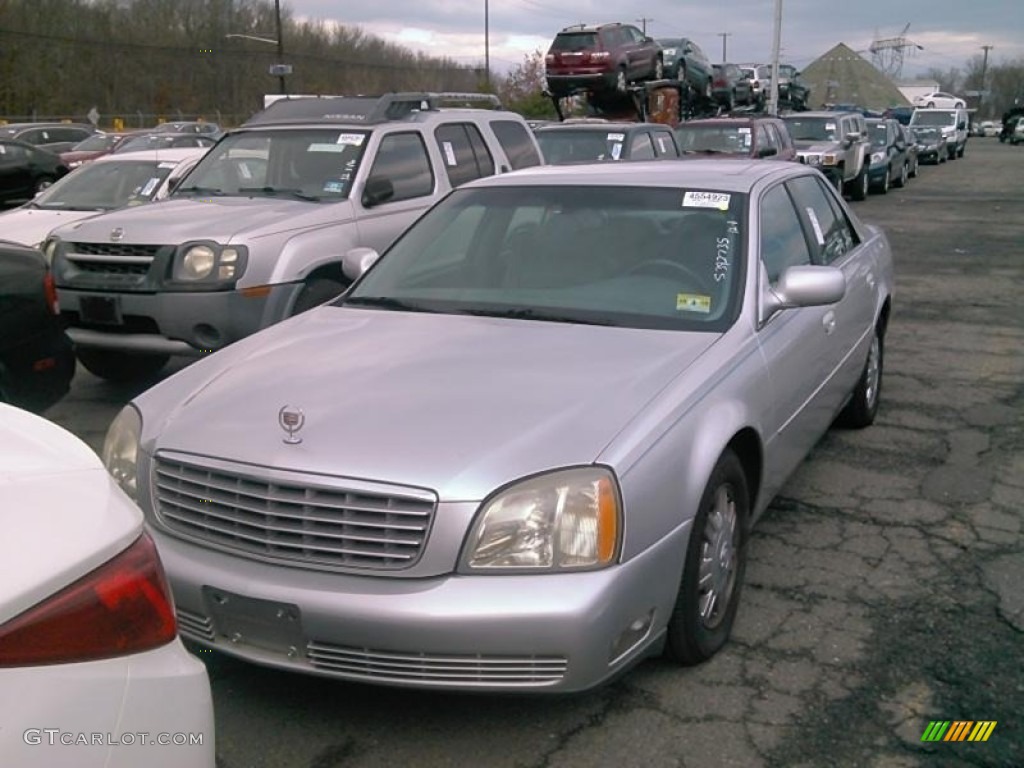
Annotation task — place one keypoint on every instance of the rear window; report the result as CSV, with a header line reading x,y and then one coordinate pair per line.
x,y
574,41
518,143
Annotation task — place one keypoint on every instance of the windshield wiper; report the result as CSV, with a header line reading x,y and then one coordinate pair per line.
x,y
387,302
532,314
210,191
273,191
705,151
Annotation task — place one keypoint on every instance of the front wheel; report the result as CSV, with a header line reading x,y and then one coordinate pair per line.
x,y
861,185
42,183
904,173
659,69
316,292
120,367
620,80
962,150
860,412
709,592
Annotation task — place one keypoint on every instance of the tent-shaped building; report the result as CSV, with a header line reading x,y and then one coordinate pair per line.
x,y
842,76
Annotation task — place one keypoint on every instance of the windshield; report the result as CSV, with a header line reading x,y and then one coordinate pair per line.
x,y
724,139
105,186
933,118
927,133
580,146
307,163
879,134
163,141
97,143
625,256
812,128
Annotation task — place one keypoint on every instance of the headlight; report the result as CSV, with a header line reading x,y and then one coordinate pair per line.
x,y
829,159
669,52
208,262
49,249
812,159
877,157
121,449
565,520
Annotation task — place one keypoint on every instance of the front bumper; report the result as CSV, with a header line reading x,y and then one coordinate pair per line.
x,y
547,633
568,83
877,173
173,322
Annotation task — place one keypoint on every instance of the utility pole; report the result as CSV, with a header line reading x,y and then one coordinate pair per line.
x,y
773,94
280,45
643,21
487,46
724,35
984,71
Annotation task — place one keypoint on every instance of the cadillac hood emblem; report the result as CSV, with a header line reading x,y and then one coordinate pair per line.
x,y
291,421
116,235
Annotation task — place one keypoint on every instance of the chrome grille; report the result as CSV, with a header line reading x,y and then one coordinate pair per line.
x,y
437,669
114,249
111,267
313,522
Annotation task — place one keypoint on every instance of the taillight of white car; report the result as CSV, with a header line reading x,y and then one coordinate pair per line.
x,y
122,607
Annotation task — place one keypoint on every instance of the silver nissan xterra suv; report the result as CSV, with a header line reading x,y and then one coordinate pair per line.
x,y
259,229
837,144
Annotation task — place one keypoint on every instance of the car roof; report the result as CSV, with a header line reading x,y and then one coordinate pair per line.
x,y
170,155
737,175
366,110
591,27
729,120
828,113
598,125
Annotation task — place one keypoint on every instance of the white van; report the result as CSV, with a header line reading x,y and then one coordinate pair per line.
x,y
952,123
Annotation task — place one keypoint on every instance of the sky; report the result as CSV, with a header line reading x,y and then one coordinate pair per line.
x,y
949,32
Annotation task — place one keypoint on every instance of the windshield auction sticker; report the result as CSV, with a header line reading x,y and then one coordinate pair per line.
x,y
716,200
693,302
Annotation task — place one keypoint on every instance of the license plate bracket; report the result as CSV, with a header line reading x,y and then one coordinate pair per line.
x,y
101,310
265,624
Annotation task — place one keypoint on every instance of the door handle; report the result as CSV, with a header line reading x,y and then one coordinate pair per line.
x,y
829,322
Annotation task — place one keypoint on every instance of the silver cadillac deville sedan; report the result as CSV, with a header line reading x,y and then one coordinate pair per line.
x,y
526,448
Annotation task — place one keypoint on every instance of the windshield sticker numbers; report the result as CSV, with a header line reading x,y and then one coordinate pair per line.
x,y
616,137
716,200
616,151
326,147
449,153
334,186
693,302
149,187
351,139
815,224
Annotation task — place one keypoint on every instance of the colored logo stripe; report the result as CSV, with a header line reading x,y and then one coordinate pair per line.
x,y
958,730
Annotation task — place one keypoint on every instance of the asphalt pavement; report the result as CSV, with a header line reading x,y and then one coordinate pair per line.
x,y
885,588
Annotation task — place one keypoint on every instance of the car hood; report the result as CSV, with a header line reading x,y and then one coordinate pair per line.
x,y
816,146
221,219
62,514
30,226
82,155
457,404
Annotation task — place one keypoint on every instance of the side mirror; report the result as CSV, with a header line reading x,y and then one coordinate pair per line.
x,y
357,261
804,286
378,189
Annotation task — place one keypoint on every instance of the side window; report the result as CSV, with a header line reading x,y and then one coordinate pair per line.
x,y
785,140
515,139
484,159
830,231
783,243
461,162
761,138
402,158
640,147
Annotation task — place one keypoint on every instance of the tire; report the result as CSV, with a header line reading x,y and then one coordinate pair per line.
x,y
962,150
659,69
904,175
883,188
315,292
120,367
709,590
951,154
931,105
730,103
860,412
912,173
42,183
861,184
621,83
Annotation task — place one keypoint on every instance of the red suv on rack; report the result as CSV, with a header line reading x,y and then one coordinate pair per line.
x,y
603,57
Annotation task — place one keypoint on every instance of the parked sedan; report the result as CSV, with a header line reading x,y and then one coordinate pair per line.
x,y
93,672
890,156
96,146
598,141
939,100
751,137
730,86
26,170
155,141
36,358
112,181
568,394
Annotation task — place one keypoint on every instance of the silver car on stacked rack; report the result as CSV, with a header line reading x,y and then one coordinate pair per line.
x,y
525,450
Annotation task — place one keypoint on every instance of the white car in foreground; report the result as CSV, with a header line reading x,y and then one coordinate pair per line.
x,y
92,672
105,184
939,100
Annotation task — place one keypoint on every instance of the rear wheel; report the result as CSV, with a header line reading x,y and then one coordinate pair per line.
x,y
863,406
902,180
861,185
709,592
659,69
117,366
620,80
912,173
962,150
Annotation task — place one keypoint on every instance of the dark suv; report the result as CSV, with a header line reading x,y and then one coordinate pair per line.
x,y
604,57
756,137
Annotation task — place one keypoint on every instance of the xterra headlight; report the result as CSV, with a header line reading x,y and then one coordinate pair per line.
x,y
208,263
